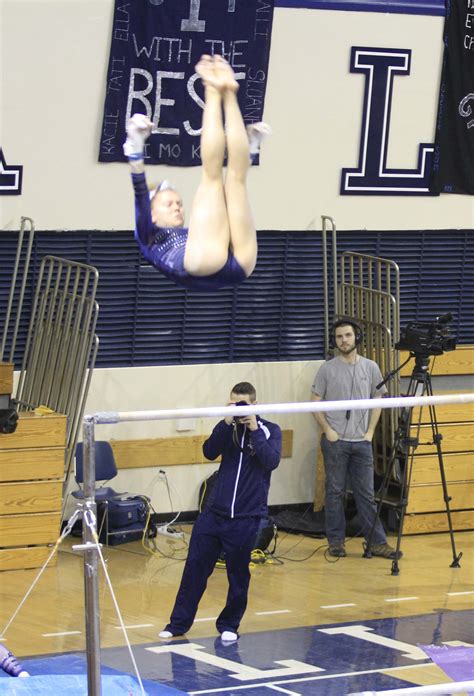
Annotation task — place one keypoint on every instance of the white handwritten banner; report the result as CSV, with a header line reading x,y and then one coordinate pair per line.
x,y
453,166
155,46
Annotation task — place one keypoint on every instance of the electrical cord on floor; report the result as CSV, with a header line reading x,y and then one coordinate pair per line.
x,y
280,558
149,541
259,557
305,558
180,529
154,550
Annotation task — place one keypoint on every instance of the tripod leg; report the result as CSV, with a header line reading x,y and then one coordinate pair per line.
x,y
401,437
437,438
404,488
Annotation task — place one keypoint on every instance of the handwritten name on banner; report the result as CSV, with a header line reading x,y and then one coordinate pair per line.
x,y
155,46
453,169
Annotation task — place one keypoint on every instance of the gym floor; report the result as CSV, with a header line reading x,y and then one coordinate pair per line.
x,y
313,625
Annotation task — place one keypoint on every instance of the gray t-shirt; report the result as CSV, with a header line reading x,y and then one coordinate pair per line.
x,y
337,380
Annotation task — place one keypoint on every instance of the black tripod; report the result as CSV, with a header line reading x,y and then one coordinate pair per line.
x,y
403,451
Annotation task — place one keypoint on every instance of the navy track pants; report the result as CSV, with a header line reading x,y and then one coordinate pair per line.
x,y
212,535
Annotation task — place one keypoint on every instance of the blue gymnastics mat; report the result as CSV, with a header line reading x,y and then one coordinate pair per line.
x,y
69,684
67,675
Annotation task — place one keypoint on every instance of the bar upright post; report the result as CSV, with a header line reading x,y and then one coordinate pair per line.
x,y
91,580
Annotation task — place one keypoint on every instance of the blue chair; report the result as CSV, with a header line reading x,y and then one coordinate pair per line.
x,y
105,470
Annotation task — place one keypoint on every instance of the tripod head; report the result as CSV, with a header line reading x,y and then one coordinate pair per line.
x,y
420,370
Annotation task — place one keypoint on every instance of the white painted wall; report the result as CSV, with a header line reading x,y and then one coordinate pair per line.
x,y
151,388
54,57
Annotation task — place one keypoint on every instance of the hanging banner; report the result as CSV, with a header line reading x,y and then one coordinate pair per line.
x,y
453,167
155,46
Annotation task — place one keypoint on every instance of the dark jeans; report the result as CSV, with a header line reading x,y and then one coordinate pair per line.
x,y
354,461
211,535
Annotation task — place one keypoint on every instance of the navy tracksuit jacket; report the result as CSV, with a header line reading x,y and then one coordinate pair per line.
x,y
230,521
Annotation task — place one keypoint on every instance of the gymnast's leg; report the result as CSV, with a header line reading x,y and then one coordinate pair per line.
x,y
207,246
243,237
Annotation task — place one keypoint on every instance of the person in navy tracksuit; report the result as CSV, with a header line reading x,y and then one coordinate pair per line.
x,y
250,448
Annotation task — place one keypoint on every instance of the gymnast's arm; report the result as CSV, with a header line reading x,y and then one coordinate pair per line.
x,y
144,227
138,130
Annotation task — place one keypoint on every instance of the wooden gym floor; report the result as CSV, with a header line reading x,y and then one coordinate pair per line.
x,y
302,608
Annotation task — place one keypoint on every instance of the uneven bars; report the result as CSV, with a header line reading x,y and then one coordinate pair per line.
x,y
91,598
431,690
300,407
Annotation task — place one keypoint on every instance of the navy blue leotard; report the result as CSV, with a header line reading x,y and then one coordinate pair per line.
x,y
164,247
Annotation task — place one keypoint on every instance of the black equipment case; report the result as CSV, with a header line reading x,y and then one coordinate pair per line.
x,y
125,520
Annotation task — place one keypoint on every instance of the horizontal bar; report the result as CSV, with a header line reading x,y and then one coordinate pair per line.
x,y
259,409
431,690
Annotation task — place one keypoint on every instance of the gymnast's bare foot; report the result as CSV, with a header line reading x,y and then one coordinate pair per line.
x,y
225,74
206,70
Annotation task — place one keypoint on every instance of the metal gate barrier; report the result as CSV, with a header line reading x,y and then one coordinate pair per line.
x,y
61,344
369,293
13,294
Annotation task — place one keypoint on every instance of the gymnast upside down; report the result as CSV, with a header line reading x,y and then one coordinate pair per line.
x,y
220,246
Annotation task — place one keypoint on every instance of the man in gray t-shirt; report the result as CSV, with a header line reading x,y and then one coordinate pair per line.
x,y
339,380
346,439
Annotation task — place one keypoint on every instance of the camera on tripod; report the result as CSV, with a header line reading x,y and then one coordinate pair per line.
x,y
427,337
421,339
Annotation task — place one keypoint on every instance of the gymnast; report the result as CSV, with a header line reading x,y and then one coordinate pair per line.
x,y
220,247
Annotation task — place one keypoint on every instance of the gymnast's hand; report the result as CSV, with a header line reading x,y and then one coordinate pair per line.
x,y
139,128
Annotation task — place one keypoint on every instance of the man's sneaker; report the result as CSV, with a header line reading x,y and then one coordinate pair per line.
x,y
167,634
337,550
385,551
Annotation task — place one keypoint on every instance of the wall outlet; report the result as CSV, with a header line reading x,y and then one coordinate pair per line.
x,y
184,424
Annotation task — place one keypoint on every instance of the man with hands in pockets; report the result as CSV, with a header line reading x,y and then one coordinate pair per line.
x,y
346,438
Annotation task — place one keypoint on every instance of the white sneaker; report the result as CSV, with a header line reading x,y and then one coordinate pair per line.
x,y
165,634
228,636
